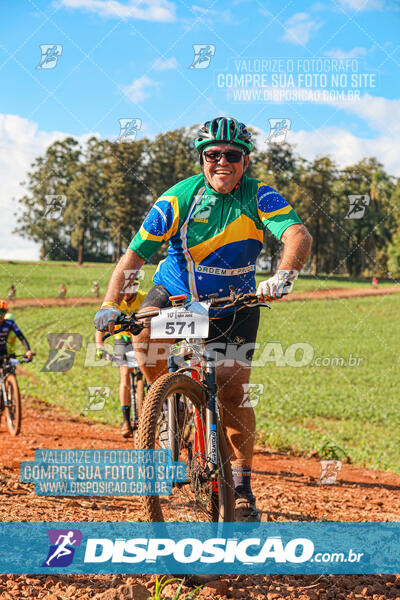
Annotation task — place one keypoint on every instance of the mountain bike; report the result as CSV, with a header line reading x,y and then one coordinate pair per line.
x,y
138,384
10,398
181,412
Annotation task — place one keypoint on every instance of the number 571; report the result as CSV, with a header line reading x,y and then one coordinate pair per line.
x,y
172,328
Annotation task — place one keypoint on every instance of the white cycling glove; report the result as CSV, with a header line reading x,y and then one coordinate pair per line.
x,y
279,285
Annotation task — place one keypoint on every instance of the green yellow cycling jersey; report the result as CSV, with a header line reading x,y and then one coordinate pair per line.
x,y
214,239
127,308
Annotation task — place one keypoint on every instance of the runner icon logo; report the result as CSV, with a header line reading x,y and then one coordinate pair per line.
x,y
54,207
62,547
329,471
278,129
128,129
62,351
357,206
50,55
202,55
98,397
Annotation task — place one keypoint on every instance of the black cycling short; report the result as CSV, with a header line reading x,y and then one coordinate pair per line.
x,y
230,344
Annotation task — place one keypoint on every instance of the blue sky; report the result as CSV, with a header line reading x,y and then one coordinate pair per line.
x,y
131,59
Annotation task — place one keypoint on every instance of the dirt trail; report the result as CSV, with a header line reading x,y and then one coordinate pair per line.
x,y
327,294
286,488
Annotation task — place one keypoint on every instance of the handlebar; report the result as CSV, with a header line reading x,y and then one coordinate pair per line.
x,y
22,358
233,300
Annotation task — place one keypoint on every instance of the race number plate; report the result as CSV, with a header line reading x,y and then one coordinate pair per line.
x,y
177,322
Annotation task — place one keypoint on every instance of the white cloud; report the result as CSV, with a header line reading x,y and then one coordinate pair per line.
x,y
163,65
299,27
360,5
382,114
356,52
21,142
346,148
341,145
136,91
147,10
222,16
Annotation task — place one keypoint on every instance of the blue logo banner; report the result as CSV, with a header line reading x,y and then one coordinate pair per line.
x,y
214,548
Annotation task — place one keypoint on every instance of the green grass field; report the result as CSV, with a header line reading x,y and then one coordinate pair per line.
x,y
301,407
42,280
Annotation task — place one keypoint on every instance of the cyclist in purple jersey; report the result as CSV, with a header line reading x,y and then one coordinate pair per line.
x,y
214,223
8,325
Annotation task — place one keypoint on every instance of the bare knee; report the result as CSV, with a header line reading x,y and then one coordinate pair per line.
x,y
232,381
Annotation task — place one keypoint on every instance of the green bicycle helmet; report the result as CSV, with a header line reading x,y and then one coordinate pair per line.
x,y
226,130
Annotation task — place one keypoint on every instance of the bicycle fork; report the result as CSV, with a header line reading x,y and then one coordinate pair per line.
x,y
3,393
172,415
210,388
206,435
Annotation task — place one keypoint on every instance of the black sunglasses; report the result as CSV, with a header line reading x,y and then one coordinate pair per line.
x,y
232,156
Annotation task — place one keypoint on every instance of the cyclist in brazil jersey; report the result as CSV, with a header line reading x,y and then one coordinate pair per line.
x,y
214,225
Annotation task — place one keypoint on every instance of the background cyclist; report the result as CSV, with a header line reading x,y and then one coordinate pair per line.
x,y
7,327
124,355
214,223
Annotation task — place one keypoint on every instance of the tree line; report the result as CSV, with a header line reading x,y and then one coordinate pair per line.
x,y
84,202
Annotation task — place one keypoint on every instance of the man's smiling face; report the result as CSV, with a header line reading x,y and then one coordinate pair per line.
x,y
224,175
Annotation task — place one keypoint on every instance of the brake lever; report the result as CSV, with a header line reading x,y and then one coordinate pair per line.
x,y
257,304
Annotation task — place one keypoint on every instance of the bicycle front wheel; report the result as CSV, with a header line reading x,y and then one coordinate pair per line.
x,y
13,412
196,499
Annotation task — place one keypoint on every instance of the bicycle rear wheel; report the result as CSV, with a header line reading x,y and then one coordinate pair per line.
x,y
196,499
13,412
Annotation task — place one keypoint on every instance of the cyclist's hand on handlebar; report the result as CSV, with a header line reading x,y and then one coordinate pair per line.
x,y
135,326
277,286
29,354
105,319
